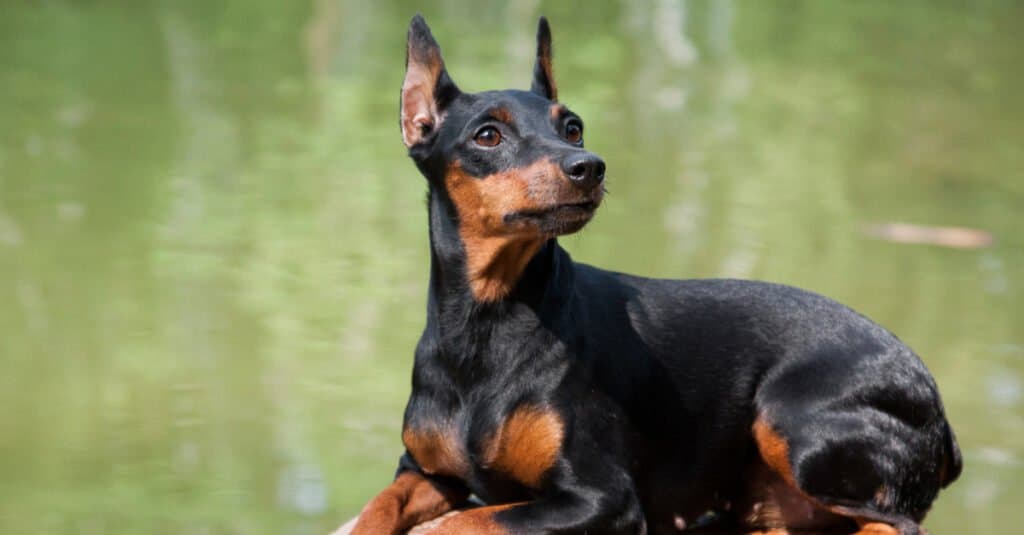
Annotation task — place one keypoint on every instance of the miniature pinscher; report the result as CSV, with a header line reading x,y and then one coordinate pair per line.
x,y
571,399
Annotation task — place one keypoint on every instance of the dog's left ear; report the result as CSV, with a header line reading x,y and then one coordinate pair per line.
x,y
543,79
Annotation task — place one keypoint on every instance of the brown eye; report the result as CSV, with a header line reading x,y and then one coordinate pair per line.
x,y
488,136
573,133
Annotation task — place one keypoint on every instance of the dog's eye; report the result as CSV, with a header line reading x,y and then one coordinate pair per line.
x,y
574,133
487,136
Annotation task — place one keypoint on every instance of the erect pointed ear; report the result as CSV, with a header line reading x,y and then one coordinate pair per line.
x,y
427,89
543,80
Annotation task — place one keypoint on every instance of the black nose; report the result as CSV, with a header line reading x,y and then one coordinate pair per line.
x,y
585,170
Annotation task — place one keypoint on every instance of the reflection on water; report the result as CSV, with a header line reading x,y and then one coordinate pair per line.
x,y
213,250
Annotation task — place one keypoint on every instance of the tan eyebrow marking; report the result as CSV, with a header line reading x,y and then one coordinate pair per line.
x,y
557,110
501,114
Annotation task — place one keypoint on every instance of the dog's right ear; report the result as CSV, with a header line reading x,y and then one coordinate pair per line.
x,y
427,89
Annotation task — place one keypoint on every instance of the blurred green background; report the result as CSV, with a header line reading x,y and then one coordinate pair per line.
x,y
213,250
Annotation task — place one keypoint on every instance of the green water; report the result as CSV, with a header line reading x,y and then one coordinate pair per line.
x,y
213,250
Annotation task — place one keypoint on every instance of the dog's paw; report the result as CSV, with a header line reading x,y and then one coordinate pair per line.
x,y
428,527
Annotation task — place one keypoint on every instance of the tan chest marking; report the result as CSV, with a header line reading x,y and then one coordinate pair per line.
x,y
437,450
526,445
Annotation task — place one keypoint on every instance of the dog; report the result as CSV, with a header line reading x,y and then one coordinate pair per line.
x,y
571,399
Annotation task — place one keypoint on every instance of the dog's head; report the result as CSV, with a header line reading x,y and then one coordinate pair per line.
x,y
512,162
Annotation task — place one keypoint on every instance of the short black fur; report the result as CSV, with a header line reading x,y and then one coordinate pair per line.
x,y
657,382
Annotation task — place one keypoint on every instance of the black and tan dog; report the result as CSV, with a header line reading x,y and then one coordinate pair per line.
x,y
576,400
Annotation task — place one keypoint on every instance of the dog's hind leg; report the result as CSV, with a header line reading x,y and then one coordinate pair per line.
x,y
878,478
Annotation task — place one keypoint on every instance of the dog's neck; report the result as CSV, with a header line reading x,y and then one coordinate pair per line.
x,y
544,282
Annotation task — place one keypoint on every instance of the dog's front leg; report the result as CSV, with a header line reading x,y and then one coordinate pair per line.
x,y
411,499
609,508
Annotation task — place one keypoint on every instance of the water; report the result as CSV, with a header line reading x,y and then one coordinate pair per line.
x,y
213,249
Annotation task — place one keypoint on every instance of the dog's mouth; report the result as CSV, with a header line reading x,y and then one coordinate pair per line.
x,y
563,218
564,210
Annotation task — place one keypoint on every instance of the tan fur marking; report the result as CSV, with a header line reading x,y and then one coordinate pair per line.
x,y
501,114
437,451
526,445
544,60
408,501
774,450
770,503
496,251
556,111
876,528
775,453
477,521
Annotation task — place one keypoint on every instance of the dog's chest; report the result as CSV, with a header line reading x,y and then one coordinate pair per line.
x,y
522,445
